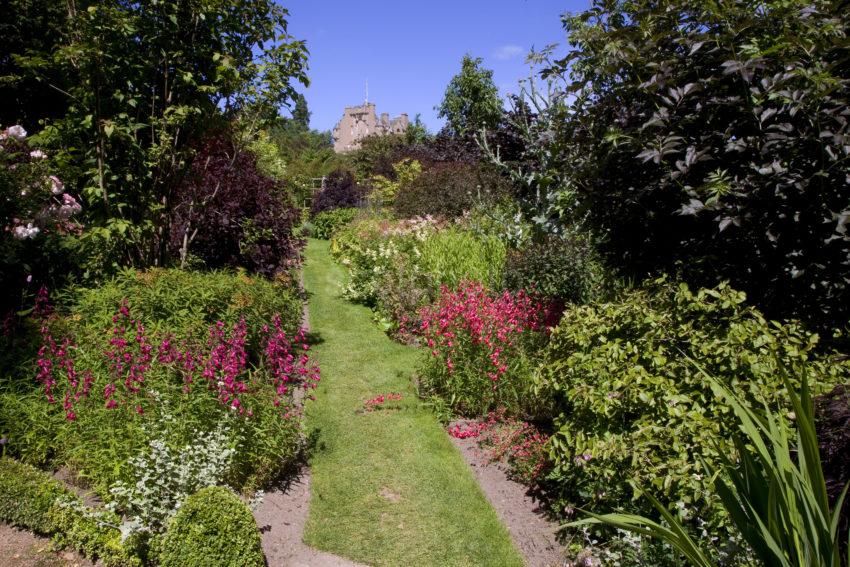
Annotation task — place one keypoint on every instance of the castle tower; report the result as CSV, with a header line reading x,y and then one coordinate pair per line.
x,y
358,122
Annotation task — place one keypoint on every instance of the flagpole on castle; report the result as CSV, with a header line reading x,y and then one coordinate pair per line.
x,y
367,92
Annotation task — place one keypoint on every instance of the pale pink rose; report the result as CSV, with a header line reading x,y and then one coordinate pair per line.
x,y
17,131
55,185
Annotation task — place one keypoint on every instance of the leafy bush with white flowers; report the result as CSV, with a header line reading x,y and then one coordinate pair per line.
x,y
36,217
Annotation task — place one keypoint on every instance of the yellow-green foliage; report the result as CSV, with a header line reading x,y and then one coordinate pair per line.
x,y
213,528
185,303
386,189
31,499
633,408
398,266
327,223
269,160
454,255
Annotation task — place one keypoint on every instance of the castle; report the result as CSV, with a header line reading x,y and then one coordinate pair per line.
x,y
360,121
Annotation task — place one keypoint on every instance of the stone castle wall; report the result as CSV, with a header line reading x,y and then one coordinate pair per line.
x,y
360,121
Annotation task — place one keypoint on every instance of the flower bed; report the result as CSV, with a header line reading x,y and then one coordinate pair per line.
x,y
148,412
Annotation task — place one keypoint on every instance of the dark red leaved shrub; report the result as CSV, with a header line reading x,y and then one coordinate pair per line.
x,y
448,190
341,191
231,215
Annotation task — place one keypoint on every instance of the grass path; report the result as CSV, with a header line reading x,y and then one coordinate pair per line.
x,y
388,487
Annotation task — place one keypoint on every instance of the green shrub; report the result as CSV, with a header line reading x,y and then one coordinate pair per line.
x,y
307,230
632,409
453,255
357,246
377,154
384,190
732,114
566,269
213,528
448,190
185,303
27,496
31,499
327,223
774,492
397,267
384,271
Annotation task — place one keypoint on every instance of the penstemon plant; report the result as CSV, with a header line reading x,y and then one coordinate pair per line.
x,y
480,345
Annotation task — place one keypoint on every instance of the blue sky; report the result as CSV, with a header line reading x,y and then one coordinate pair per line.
x,y
408,51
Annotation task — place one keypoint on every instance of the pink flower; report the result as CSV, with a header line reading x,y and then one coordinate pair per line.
x,y
17,132
56,186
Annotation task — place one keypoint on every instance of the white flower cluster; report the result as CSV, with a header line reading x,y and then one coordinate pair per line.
x,y
61,209
165,476
420,227
17,132
23,232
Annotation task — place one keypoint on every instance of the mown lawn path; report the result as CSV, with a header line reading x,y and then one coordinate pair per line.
x,y
388,487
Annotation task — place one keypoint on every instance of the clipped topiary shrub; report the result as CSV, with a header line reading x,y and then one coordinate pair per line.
x,y
31,499
327,223
213,528
27,496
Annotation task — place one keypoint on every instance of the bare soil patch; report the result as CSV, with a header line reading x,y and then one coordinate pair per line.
x,y
20,548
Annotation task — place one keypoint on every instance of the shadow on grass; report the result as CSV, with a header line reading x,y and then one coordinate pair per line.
x,y
313,443
314,338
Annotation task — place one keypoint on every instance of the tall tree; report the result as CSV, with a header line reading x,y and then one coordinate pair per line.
x,y
472,100
300,113
711,139
30,27
142,81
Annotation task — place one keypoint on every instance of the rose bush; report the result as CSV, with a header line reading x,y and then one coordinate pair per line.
x,y
37,216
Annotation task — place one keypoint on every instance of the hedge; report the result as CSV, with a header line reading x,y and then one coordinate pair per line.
x,y
31,499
